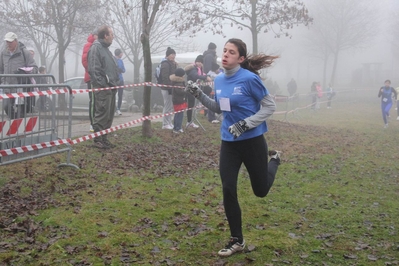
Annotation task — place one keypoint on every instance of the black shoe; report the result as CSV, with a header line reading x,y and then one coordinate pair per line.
x,y
100,145
108,144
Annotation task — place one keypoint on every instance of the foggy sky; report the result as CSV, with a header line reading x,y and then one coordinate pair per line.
x,y
294,63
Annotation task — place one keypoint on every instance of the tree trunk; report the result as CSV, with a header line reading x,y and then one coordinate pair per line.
x,y
334,70
254,30
146,128
325,69
61,66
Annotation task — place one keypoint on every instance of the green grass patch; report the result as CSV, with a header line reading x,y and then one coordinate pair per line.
x,y
158,201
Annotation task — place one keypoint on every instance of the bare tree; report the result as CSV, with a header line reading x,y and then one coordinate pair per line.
x,y
58,21
149,13
127,26
342,25
277,16
15,16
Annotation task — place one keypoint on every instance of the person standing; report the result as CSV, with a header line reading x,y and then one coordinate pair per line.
x,y
210,59
92,37
313,94
168,68
194,72
386,92
245,104
121,67
14,56
397,103
104,73
330,95
179,99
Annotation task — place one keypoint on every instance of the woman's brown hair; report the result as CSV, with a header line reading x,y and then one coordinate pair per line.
x,y
253,63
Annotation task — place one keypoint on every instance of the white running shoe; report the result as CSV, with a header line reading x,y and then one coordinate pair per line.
x,y
274,154
192,124
232,247
91,128
167,127
118,112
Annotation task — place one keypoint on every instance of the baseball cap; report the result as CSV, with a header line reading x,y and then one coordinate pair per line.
x,y
10,36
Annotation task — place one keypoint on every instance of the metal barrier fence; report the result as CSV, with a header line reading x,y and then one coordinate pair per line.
x,y
32,122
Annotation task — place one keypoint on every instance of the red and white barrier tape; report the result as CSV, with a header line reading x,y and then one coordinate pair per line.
x,y
32,93
132,85
84,138
60,91
34,147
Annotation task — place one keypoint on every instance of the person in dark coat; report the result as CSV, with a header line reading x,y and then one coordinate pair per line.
x,y
179,98
194,72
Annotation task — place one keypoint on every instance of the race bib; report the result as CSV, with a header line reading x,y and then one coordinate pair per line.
x,y
225,104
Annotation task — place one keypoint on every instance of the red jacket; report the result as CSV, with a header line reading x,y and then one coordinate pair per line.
x,y
86,49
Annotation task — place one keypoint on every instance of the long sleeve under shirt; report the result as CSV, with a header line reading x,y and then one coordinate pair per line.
x,y
244,93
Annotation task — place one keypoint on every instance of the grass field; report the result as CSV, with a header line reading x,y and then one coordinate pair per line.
x,y
158,201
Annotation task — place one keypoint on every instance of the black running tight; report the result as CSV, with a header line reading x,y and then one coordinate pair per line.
x,y
254,154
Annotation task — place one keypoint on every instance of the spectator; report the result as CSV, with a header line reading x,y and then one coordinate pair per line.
x,y
319,94
14,56
397,103
104,73
210,59
194,72
313,94
386,93
213,73
121,67
330,95
245,104
179,99
168,68
92,37
291,87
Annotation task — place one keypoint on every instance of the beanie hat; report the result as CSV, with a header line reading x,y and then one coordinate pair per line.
x,y
118,52
215,66
200,58
211,46
170,51
179,72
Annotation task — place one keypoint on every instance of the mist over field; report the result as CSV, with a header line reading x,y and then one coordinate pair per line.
x,y
360,52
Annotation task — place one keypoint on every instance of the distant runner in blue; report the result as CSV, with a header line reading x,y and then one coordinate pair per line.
x,y
386,93
245,104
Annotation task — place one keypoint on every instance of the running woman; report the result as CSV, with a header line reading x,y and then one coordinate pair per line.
x,y
245,103
386,93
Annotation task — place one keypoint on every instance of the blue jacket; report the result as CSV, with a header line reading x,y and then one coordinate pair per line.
x,y
121,68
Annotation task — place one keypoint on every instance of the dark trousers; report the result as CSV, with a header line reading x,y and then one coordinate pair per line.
x,y
254,154
191,103
91,103
104,111
120,96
